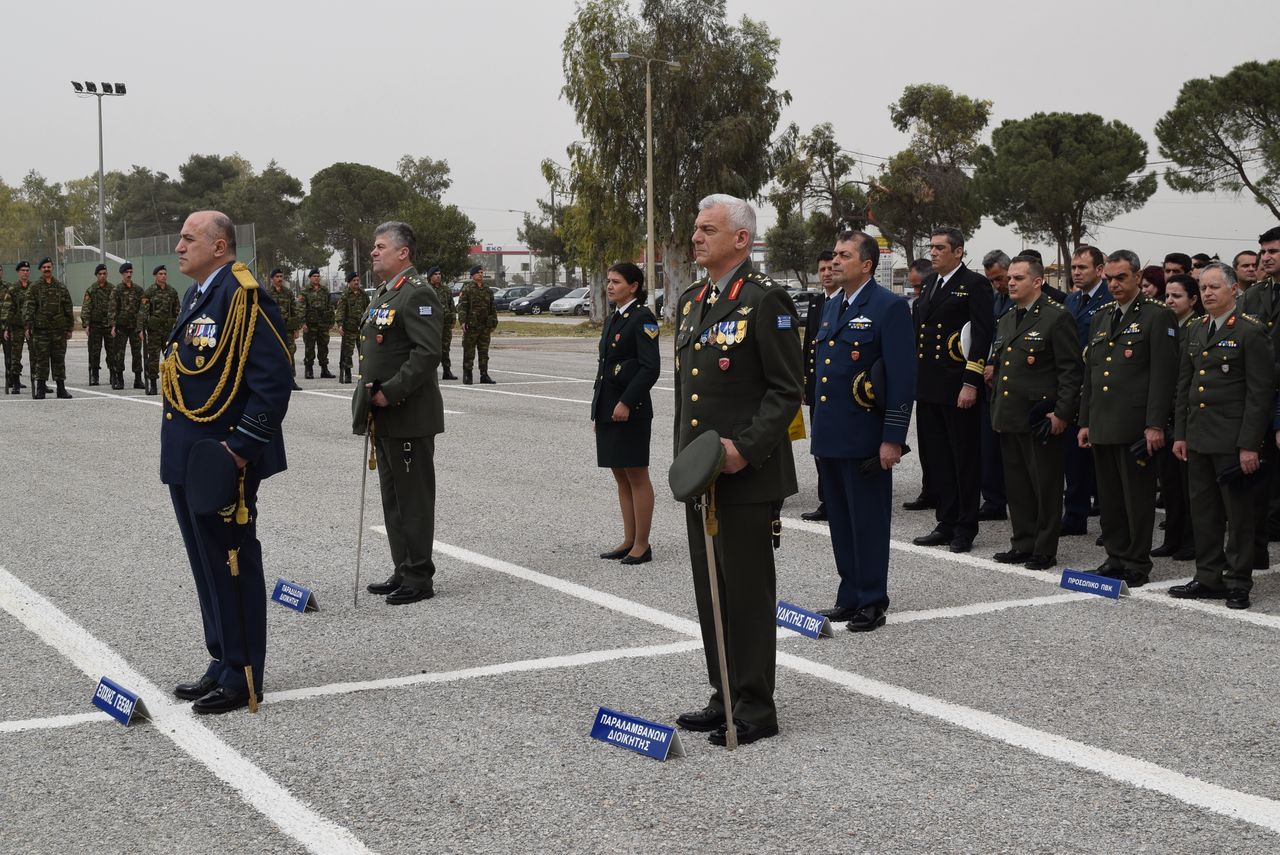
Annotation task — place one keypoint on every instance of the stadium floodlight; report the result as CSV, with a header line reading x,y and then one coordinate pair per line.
x,y
86,89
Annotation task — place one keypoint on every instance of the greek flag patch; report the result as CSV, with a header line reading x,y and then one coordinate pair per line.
x,y
784,322
1172,332
424,310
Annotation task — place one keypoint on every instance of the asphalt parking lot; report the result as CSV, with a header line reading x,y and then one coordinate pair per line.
x,y
995,712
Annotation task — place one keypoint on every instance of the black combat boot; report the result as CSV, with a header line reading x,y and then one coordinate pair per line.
x,y
485,378
296,387
43,387
62,389
37,389
344,374
119,381
151,386
311,374
448,375
324,372
466,377
137,380
93,376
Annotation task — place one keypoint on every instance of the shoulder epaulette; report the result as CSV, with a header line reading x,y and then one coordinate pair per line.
x,y
762,280
243,276
1250,318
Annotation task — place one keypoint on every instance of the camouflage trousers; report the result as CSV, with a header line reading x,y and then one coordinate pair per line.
x,y
49,350
152,345
473,340
131,339
292,340
446,341
348,347
317,342
13,354
98,342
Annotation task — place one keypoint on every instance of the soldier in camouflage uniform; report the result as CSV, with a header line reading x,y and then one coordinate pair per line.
x,y
12,305
288,303
349,315
93,317
4,325
49,318
126,299
478,316
317,317
156,317
448,316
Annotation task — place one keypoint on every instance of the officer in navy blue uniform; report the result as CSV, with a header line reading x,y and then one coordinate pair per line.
x,y
995,266
1089,295
858,441
811,321
948,379
242,412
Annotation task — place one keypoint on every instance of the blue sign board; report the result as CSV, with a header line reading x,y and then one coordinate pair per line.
x,y
803,621
118,702
293,596
636,734
1089,583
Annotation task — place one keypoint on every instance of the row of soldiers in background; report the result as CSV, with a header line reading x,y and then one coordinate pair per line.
x,y
38,313
1120,381
123,315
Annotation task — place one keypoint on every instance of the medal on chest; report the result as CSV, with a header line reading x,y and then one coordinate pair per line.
x,y
202,333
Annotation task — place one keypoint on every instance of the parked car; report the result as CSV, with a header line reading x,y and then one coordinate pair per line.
x,y
802,299
538,300
659,297
576,302
502,299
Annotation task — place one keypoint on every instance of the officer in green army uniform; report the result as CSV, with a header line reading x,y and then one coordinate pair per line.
x,y
13,307
1035,372
126,299
156,317
95,318
49,318
317,317
478,316
436,278
1262,301
1222,417
349,315
288,303
740,373
397,402
1130,377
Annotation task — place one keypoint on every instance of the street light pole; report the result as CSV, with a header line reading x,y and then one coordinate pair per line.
x,y
88,88
620,56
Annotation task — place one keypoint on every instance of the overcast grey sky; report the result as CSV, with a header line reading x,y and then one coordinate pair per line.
x,y
478,84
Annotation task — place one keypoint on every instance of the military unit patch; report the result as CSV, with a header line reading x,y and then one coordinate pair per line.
x,y
651,330
784,322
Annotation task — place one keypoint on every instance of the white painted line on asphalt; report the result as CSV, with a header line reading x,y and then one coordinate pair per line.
x,y
347,398
27,399
545,663
958,611
547,376
52,626
135,398
1257,810
516,394
53,721
542,382
1147,593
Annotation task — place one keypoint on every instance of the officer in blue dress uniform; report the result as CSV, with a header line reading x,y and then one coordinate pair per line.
x,y
858,441
1089,295
226,378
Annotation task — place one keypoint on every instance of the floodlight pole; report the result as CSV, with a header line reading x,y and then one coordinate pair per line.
x,y
102,214
619,56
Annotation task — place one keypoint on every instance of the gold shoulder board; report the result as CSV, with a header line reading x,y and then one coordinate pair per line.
x,y
243,276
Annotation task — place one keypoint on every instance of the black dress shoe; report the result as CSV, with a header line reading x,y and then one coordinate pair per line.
x,y
838,613
195,691
448,375
1135,578
1106,568
707,718
404,595
933,538
643,558
296,387
992,512
747,732
1261,561
1040,561
919,503
615,554
1237,598
867,619
960,544
1193,590
1098,541
815,516
1012,556
1164,550
383,588
1186,553
222,700
1072,530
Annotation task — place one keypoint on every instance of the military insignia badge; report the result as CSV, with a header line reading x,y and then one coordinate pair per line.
x,y
784,322
199,362
617,369
744,310
855,355
724,363
651,330
1132,329
1031,360
616,337
378,338
1226,369
686,309
1128,354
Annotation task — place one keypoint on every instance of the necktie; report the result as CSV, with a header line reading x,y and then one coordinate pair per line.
x,y
1019,315
844,306
1213,328
1115,321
